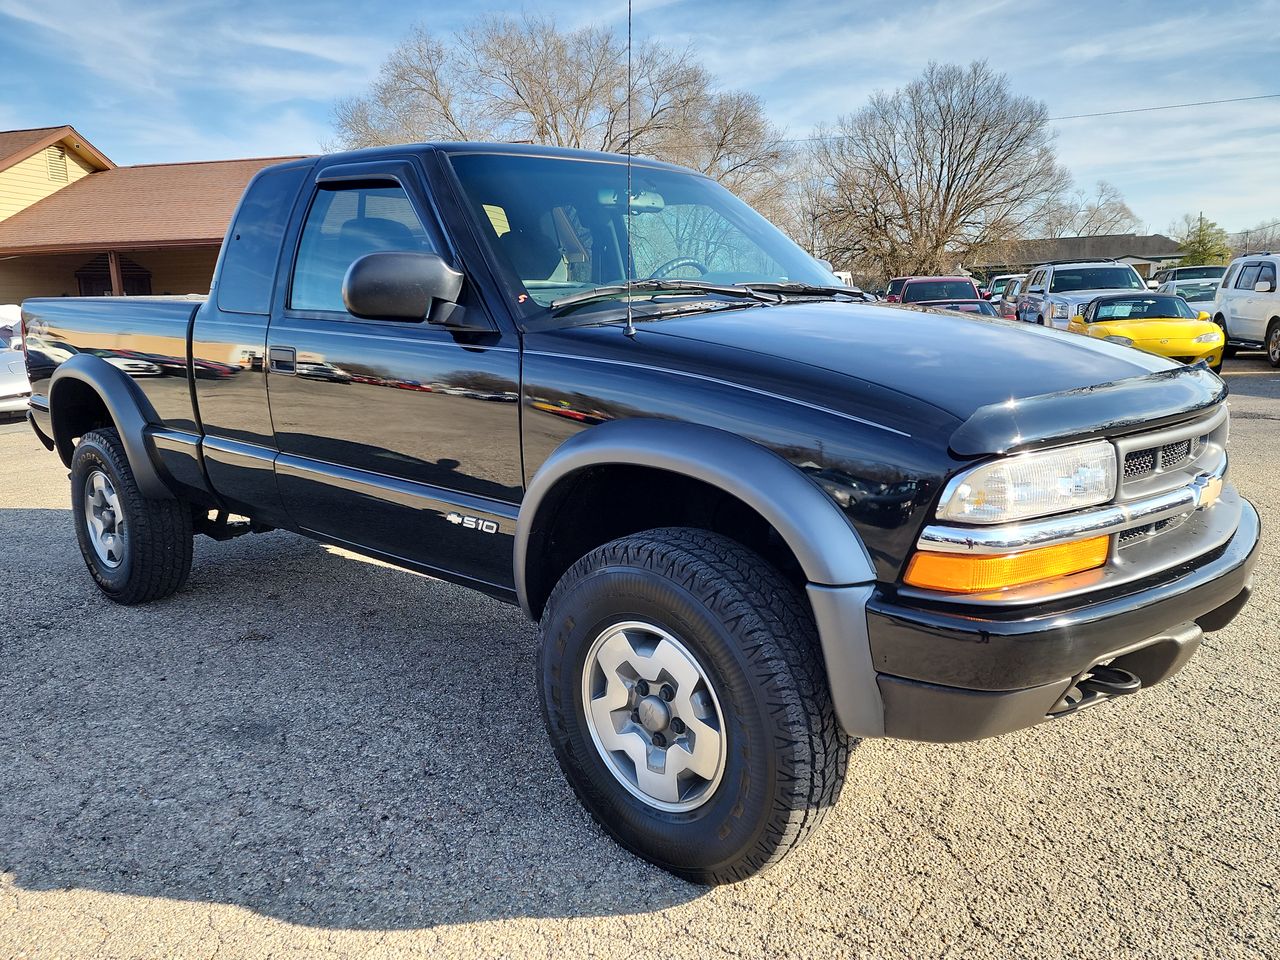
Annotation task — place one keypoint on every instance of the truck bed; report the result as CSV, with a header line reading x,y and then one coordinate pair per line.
x,y
145,337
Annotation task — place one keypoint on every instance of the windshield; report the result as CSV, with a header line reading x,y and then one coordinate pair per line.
x,y
1198,290
560,227
998,285
1144,308
1200,273
1067,279
918,290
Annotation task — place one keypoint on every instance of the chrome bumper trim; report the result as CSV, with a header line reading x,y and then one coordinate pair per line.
x,y
1113,518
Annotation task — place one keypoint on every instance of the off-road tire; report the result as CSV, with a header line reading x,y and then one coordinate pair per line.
x,y
158,543
754,636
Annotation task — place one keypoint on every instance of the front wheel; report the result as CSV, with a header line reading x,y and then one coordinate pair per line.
x,y
136,549
1228,351
1273,343
685,697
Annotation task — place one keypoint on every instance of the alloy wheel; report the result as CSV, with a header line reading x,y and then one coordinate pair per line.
x,y
654,716
104,519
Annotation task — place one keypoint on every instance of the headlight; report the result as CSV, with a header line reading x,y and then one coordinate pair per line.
x,y
1033,485
1213,336
1061,311
1125,340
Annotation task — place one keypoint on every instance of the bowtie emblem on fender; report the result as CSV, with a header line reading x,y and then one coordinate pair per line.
x,y
472,523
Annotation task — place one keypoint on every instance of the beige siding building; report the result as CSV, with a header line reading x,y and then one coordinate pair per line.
x,y
72,223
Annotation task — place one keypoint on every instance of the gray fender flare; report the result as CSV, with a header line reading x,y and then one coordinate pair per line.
x,y
827,547
129,409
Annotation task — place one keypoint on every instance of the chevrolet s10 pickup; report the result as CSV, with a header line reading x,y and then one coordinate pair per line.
x,y
756,518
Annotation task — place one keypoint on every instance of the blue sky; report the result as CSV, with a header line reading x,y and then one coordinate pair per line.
x,y
151,82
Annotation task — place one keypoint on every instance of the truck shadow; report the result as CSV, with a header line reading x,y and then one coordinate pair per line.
x,y
302,734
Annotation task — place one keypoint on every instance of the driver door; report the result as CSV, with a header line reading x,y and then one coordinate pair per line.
x,y
397,438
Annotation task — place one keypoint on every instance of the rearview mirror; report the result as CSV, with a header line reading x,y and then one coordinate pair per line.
x,y
401,285
1203,316
1153,284
1264,286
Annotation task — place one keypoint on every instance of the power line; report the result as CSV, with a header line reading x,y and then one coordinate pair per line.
x,y
1081,116
1167,106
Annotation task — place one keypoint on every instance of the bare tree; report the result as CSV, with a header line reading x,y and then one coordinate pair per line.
x,y
1265,236
525,79
933,174
1078,213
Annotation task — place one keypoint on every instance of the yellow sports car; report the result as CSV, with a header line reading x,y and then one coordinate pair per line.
x,y
1155,322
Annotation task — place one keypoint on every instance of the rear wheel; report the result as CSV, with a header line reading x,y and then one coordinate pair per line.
x,y
136,549
684,694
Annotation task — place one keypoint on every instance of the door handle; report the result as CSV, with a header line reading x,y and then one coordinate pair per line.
x,y
283,360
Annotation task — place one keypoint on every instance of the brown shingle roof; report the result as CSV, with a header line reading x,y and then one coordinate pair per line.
x,y
1032,253
17,145
169,204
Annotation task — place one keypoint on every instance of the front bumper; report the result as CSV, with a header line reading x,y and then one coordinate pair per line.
x,y
948,675
15,404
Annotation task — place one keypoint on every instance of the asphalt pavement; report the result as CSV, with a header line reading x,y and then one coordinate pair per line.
x,y
306,754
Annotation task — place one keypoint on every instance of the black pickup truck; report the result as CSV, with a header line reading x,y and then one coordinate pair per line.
x,y
756,518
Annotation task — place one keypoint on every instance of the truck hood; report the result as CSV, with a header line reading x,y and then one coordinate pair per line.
x,y
954,362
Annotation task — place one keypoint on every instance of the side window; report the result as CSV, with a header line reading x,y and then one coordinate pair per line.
x,y
1248,276
248,270
1268,274
1229,277
343,225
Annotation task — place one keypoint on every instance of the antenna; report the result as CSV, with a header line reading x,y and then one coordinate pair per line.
x,y
630,328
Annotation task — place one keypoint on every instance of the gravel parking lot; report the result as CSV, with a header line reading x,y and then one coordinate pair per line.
x,y
308,754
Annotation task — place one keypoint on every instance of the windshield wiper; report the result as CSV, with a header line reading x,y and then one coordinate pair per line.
x,y
662,286
796,288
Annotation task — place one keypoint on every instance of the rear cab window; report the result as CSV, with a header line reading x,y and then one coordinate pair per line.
x,y
247,272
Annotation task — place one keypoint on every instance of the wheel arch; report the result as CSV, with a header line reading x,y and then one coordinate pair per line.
x,y
824,543
86,392
831,563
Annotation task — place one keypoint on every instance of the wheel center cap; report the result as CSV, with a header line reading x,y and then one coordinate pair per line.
x,y
654,714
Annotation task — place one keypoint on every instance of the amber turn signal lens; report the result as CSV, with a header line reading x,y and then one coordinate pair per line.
x,y
966,573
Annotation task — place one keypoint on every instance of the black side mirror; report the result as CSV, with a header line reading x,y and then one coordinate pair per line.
x,y
402,285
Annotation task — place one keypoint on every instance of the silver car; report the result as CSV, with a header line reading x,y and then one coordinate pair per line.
x,y
1055,292
15,388
1199,294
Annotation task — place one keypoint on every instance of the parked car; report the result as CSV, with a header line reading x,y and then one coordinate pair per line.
x,y
10,326
1200,294
755,518
131,365
1056,292
1247,306
918,289
893,292
15,388
1205,272
997,284
1006,303
1157,323
980,307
